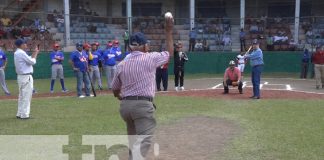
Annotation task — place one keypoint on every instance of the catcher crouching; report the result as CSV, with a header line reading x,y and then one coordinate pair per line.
x,y
232,76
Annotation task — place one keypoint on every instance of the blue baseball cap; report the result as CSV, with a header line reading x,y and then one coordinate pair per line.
x,y
77,45
19,42
137,39
255,41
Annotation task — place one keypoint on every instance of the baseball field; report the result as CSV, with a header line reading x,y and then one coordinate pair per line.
x,y
199,123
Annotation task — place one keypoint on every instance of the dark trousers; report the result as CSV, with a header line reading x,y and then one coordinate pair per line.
x,y
178,75
304,70
161,75
243,48
126,43
256,78
229,82
192,43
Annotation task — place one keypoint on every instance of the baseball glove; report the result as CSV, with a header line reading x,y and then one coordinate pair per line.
x,y
234,84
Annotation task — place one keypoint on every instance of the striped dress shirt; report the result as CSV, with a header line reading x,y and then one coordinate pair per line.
x,y
135,76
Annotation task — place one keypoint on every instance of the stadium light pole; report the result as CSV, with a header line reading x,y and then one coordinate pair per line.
x,y
297,16
192,14
67,21
129,16
242,13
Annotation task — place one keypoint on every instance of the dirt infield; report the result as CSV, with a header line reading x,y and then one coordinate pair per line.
x,y
271,88
234,94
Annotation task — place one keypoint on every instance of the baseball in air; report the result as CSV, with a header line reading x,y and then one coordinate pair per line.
x,y
168,15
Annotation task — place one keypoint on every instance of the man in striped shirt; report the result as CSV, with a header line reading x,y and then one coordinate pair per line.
x,y
134,85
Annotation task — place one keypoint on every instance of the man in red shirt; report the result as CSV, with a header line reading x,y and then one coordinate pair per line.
x,y
318,60
232,76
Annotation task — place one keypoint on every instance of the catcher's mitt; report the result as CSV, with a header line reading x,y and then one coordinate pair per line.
x,y
234,84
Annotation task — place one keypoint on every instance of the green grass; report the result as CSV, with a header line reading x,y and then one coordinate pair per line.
x,y
269,129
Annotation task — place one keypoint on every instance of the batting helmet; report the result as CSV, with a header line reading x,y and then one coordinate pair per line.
x,y
109,44
77,45
116,42
231,63
86,46
95,43
56,45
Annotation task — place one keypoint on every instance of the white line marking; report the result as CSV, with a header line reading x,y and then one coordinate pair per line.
x,y
288,87
217,86
266,82
261,85
244,84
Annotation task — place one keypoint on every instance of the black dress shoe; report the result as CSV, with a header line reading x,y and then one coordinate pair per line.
x,y
17,117
252,97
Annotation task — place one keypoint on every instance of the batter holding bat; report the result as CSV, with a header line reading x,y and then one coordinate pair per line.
x,y
256,61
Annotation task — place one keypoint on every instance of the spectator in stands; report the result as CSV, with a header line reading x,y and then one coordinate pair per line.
x,y
6,21
205,45
292,45
37,23
87,8
277,19
254,28
16,32
192,39
242,39
280,39
91,28
263,20
26,33
309,33
300,46
199,46
226,40
270,46
3,33
248,19
304,65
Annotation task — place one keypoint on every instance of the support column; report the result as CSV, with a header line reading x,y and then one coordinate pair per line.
x,y
242,14
67,22
297,14
192,14
129,16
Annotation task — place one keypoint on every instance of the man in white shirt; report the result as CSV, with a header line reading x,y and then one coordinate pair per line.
x,y
24,69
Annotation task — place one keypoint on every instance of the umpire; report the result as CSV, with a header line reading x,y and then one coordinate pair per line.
x,y
134,85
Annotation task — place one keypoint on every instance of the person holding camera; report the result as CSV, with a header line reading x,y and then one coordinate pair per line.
x,y
179,60
24,69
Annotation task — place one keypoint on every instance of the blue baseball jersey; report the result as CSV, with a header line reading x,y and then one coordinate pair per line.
x,y
109,58
96,57
3,58
80,60
117,52
56,54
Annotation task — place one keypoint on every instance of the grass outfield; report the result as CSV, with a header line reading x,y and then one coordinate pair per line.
x,y
270,129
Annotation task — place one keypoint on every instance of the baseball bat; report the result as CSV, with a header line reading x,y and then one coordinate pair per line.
x,y
93,90
248,50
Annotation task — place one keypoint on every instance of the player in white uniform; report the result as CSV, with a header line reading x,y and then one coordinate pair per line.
x,y
241,63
